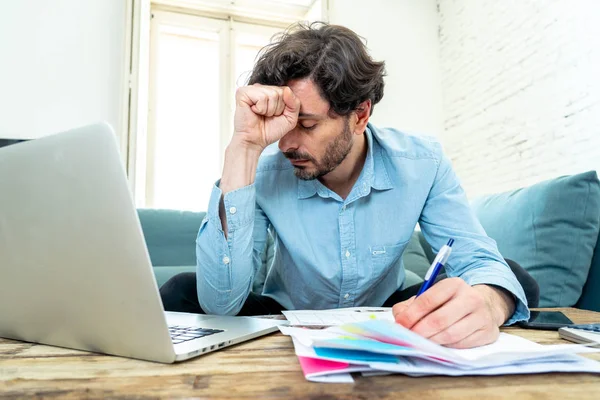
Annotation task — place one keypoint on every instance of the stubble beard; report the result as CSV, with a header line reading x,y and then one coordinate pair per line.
x,y
336,152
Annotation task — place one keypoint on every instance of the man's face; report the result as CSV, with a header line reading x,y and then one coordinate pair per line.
x,y
319,143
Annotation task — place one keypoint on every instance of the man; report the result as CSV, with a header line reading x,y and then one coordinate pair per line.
x,y
342,198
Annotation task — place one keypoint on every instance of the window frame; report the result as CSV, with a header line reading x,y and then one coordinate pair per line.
x,y
219,27
140,16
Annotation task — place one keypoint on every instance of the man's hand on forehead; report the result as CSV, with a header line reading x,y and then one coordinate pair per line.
x,y
264,114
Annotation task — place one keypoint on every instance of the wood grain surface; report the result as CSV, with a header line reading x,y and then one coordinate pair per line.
x,y
262,368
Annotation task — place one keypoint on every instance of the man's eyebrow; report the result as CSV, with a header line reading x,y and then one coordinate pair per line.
x,y
310,116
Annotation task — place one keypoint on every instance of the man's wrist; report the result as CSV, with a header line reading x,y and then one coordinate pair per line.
x,y
239,143
240,165
501,302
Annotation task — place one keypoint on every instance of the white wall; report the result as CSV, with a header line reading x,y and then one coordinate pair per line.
x,y
403,33
61,65
521,90
317,11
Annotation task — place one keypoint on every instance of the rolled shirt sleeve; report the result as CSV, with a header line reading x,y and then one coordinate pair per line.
x,y
226,266
475,257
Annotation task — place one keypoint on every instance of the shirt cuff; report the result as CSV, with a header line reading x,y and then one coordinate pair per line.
x,y
240,206
521,312
213,206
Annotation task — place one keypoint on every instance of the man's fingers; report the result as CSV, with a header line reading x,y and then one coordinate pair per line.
x,y
442,321
451,313
399,308
280,103
430,301
274,95
291,102
261,105
269,101
278,100
480,337
458,330
264,114
264,100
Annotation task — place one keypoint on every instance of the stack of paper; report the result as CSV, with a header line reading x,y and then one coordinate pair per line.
x,y
374,345
337,316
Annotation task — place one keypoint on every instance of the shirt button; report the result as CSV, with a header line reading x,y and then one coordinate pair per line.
x,y
347,295
226,260
347,254
232,210
344,207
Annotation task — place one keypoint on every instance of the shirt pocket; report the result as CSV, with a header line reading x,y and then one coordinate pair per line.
x,y
385,260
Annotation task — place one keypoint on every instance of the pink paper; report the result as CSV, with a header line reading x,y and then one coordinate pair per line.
x,y
311,366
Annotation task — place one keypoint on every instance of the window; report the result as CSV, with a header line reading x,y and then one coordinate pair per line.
x,y
196,64
186,63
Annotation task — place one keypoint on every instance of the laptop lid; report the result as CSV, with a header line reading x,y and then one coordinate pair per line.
x,y
74,268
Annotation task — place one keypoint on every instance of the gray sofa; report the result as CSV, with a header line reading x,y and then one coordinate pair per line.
x,y
550,229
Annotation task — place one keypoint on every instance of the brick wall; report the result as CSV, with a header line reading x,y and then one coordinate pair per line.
x,y
521,90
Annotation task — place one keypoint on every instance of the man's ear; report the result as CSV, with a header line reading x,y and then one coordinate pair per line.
x,y
363,112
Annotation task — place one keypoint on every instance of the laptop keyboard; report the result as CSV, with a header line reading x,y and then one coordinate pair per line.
x,y
180,334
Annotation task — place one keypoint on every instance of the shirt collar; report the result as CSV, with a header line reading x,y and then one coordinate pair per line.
x,y
374,173
307,189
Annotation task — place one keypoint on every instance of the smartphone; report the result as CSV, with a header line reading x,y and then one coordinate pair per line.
x,y
549,320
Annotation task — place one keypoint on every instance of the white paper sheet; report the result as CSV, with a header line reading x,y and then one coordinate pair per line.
x,y
337,316
510,354
507,349
419,367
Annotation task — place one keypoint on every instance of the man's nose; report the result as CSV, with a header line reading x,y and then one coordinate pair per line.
x,y
289,141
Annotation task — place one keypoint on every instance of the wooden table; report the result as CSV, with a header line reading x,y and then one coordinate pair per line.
x,y
263,368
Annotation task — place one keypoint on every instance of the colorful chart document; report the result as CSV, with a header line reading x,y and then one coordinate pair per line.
x,y
378,345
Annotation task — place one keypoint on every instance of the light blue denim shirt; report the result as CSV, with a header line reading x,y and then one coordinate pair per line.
x,y
332,252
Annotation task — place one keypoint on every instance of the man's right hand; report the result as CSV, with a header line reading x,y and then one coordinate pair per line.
x,y
264,114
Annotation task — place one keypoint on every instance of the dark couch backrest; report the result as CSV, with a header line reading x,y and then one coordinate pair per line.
x,y
590,296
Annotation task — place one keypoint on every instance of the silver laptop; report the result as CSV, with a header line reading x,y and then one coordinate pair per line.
x,y
74,267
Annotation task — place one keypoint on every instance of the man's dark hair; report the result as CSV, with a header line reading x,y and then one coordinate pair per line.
x,y
332,56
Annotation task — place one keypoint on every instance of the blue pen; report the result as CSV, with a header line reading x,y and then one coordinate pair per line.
x,y
436,266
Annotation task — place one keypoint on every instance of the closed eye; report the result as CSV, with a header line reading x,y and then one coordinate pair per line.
x,y
308,128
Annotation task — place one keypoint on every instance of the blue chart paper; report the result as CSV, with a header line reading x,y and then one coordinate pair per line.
x,y
385,346
356,356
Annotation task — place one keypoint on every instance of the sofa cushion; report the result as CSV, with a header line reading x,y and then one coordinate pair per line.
x,y
164,273
550,229
171,235
411,279
415,257
171,240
